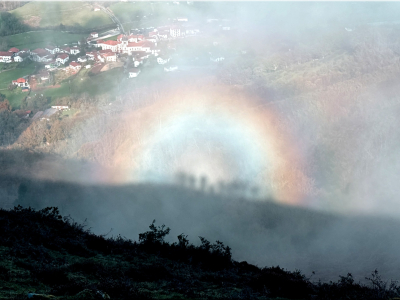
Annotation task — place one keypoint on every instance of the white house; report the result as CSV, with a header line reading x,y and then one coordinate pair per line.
x,y
52,49
134,72
94,35
74,50
65,50
6,57
62,58
21,82
192,31
41,55
90,55
20,57
109,45
175,31
161,60
170,68
138,62
110,56
82,59
217,58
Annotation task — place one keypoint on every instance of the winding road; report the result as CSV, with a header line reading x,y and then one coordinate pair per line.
x,y
113,17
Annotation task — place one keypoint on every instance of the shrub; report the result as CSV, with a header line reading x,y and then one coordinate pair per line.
x,y
156,235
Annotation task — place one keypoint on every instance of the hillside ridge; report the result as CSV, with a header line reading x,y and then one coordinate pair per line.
x,y
45,253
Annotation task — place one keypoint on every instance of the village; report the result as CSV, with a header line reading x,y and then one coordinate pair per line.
x,y
130,53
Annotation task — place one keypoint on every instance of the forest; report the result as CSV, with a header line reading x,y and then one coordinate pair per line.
x,y
10,25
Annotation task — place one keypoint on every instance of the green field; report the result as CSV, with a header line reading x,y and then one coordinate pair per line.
x,y
15,96
7,76
105,82
43,14
39,39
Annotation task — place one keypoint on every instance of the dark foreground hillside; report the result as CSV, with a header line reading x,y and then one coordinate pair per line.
x,y
47,254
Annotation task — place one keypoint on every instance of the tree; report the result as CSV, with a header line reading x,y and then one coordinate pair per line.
x,y
4,44
39,101
156,235
4,105
9,127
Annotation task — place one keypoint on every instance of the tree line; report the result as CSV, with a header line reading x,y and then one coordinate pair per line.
x,y
10,25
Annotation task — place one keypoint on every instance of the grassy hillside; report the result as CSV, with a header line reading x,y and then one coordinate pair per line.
x,y
45,14
38,39
45,253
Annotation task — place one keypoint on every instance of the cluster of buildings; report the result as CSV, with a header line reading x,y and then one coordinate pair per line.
x,y
14,55
50,55
53,56
139,47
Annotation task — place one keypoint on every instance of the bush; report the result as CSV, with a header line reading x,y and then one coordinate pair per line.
x,y
156,235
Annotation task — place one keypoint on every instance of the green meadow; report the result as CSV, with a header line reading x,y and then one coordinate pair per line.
x,y
15,97
39,39
44,14
102,83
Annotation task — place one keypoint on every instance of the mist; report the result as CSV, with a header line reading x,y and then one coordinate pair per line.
x,y
287,152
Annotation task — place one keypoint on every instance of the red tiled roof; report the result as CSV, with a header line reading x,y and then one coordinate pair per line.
x,y
6,53
63,56
40,52
109,54
21,80
13,49
111,43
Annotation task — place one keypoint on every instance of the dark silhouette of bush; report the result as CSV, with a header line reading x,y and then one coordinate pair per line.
x,y
119,266
156,235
